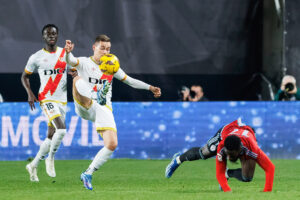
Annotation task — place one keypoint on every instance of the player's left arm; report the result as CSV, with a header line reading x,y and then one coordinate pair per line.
x,y
122,76
220,173
71,60
269,168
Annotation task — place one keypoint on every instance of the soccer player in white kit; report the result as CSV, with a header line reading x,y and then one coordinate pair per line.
x,y
50,63
92,93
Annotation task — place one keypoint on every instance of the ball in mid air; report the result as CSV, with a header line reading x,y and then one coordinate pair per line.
x,y
109,64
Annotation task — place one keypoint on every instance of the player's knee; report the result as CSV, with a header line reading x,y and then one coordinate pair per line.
x,y
112,145
247,179
61,126
206,152
50,135
51,131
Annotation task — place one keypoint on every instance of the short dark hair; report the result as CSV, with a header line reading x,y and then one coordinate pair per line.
x,y
49,25
232,143
102,38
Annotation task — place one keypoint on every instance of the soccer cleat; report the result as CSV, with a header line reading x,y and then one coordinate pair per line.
x,y
101,94
50,167
172,166
32,173
87,181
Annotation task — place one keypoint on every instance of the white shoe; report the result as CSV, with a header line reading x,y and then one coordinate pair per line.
x,y
50,167
32,173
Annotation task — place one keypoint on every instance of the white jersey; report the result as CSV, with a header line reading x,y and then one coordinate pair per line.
x,y
52,69
90,72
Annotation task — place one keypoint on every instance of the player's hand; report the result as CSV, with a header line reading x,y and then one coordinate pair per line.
x,y
31,100
73,73
156,91
185,94
69,46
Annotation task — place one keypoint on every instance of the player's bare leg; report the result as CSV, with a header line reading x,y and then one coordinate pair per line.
x,y
245,173
60,131
51,131
43,151
110,139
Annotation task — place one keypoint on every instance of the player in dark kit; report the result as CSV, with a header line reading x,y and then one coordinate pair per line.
x,y
232,142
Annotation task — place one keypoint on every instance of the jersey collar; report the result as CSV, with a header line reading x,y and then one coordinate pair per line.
x,y
49,51
91,57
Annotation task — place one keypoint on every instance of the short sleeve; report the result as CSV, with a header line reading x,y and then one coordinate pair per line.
x,y
81,61
71,68
31,65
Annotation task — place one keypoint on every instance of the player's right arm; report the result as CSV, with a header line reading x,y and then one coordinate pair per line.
x,y
269,168
220,173
71,60
26,83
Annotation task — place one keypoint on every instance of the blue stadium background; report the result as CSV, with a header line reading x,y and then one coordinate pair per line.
x,y
153,130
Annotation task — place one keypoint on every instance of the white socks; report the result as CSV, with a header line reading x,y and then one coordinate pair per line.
x,y
178,160
102,156
56,140
44,150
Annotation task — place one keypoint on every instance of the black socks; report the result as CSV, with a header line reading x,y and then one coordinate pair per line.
x,y
190,155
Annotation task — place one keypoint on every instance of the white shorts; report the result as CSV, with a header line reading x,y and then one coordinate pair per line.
x,y
52,110
102,116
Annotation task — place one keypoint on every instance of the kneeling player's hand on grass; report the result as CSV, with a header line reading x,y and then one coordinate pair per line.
x,y
156,91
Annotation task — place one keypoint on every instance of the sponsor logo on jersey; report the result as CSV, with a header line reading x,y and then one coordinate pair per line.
x,y
96,81
54,71
52,85
102,79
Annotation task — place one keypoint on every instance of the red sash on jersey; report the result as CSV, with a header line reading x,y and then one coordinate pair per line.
x,y
52,85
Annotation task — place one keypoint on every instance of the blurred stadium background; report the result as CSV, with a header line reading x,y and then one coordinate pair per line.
x,y
237,50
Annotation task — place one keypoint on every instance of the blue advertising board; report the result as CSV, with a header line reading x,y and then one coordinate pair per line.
x,y
152,130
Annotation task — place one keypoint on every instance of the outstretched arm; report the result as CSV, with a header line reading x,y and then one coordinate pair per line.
x,y
269,168
120,74
26,85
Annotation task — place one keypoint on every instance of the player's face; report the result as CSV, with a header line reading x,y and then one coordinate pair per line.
x,y
50,36
101,48
232,155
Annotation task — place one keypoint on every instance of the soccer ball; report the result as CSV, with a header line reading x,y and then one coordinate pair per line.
x,y
109,64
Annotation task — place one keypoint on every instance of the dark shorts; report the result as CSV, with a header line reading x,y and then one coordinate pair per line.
x,y
213,142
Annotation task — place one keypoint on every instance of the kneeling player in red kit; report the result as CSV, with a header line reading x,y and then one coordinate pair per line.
x,y
232,142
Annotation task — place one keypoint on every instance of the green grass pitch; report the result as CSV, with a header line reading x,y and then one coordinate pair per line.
x,y
143,179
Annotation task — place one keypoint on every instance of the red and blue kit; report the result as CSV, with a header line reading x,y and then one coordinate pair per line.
x,y
250,150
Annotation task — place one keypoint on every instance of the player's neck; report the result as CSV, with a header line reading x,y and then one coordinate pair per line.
x,y
50,48
96,59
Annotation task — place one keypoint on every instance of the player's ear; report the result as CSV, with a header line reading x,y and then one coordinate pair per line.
x,y
94,46
44,36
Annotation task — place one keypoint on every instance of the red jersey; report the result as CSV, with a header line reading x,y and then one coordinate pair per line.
x,y
250,150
